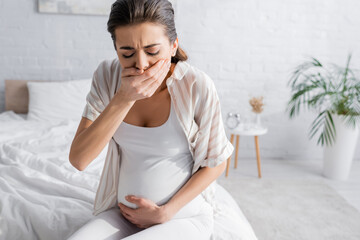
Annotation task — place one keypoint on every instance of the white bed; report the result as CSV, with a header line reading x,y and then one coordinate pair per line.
x,y
42,196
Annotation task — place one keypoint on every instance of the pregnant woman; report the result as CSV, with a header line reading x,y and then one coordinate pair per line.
x,y
162,120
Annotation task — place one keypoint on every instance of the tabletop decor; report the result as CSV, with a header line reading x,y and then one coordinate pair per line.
x,y
257,107
232,120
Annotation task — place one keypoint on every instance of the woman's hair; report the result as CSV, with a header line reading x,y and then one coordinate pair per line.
x,y
127,12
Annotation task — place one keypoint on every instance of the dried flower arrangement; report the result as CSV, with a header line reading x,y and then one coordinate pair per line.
x,y
257,104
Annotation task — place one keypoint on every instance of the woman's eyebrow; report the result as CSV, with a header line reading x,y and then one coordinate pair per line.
x,y
131,48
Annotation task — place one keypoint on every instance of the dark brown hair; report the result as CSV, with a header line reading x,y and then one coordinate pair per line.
x,y
127,12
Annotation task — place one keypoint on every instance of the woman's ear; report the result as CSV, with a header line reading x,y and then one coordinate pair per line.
x,y
175,47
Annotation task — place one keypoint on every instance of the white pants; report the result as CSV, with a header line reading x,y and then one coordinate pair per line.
x,y
193,221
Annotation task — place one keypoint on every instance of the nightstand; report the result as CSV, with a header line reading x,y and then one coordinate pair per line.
x,y
249,131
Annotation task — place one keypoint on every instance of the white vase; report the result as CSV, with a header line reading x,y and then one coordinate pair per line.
x,y
338,157
258,120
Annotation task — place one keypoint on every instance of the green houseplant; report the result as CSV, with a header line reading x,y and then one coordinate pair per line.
x,y
334,93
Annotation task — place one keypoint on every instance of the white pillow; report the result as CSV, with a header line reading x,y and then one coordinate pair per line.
x,y
50,101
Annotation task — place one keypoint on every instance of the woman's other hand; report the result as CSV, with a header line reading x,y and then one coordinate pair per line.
x,y
147,214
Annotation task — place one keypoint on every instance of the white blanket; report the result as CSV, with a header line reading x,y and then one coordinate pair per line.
x,y
42,196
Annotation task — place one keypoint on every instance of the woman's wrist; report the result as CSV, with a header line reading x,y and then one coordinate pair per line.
x,y
167,212
121,100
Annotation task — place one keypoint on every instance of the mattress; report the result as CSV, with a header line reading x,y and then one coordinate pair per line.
x,y
42,196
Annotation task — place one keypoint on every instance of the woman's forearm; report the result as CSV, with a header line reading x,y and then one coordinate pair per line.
x,y
91,141
198,182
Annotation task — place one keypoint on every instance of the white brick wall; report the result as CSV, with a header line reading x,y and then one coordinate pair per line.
x,y
248,47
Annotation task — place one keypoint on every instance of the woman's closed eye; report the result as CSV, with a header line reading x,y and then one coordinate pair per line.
x,y
150,53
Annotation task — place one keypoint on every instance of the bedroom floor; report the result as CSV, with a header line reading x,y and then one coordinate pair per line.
x,y
299,169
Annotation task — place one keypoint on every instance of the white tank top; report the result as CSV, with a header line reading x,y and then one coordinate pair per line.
x,y
155,161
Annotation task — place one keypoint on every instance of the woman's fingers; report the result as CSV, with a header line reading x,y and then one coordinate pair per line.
x,y
142,226
128,217
137,86
152,71
124,210
127,72
159,76
153,85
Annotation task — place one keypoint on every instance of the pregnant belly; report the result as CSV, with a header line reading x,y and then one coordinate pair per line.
x,y
157,182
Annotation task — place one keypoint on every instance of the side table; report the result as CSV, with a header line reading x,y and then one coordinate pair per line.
x,y
250,131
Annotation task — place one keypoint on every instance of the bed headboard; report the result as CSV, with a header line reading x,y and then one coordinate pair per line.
x,y
17,95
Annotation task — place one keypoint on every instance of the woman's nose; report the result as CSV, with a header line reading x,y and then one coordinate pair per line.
x,y
141,62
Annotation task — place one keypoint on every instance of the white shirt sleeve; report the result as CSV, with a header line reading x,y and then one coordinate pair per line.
x,y
95,99
213,146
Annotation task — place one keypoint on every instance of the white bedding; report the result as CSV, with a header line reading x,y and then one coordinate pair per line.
x,y
42,196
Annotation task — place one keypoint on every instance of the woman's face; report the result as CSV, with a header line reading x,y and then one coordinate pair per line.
x,y
142,45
